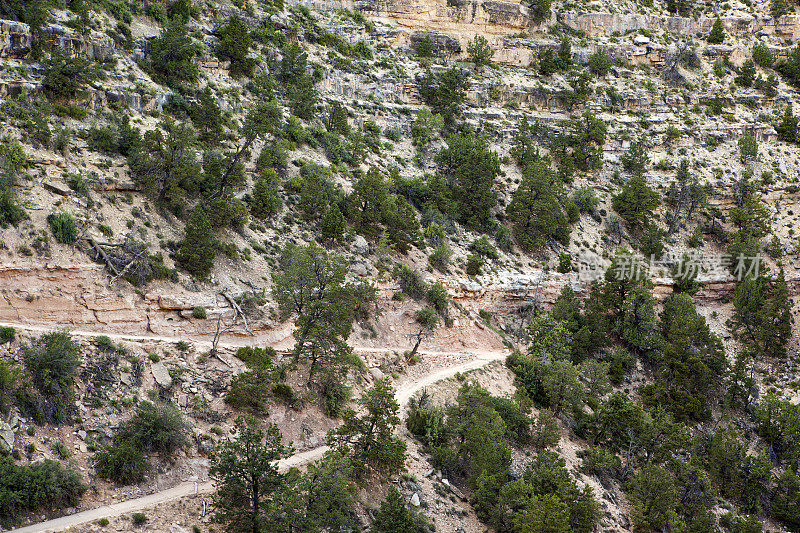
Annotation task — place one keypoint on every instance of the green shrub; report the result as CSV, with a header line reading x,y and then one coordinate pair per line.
x,y
474,265
585,199
717,33
10,212
437,297
11,379
64,228
138,519
155,427
197,251
479,51
199,312
484,248
600,63
440,258
61,450
7,334
65,75
122,462
234,45
539,9
411,282
427,317
103,522
335,395
249,391
52,360
172,56
284,393
265,202
29,488
257,357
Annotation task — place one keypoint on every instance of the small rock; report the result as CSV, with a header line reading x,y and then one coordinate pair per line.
x,y
376,373
161,375
360,245
6,435
57,188
359,269
415,500
82,434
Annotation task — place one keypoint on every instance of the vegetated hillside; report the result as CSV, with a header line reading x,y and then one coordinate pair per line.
x,y
284,252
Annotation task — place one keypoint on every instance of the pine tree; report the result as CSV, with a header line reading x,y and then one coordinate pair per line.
x,y
368,439
246,477
536,212
470,167
636,202
332,225
762,315
196,254
234,45
717,33
393,515
265,202
337,120
787,129
778,8
402,227
172,56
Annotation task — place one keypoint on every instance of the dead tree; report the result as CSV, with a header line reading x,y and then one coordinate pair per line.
x,y
424,333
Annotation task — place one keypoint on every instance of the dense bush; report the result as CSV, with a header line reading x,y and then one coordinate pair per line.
x,y
197,251
172,55
445,92
537,209
234,45
65,75
31,488
600,63
7,334
469,168
52,360
155,427
63,227
10,211
122,462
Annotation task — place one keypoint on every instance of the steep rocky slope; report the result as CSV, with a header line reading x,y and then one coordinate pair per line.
x,y
649,75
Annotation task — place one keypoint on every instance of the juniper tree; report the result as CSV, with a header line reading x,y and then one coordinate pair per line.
x,y
636,202
479,51
172,55
368,439
165,163
717,33
208,118
445,92
234,45
470,168
310,285
265,202
683,197
536,210
393,515
762,315
332,225
197,250
246,477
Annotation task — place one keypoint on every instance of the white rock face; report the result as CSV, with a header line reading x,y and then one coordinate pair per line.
x,y
161,375
6,436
